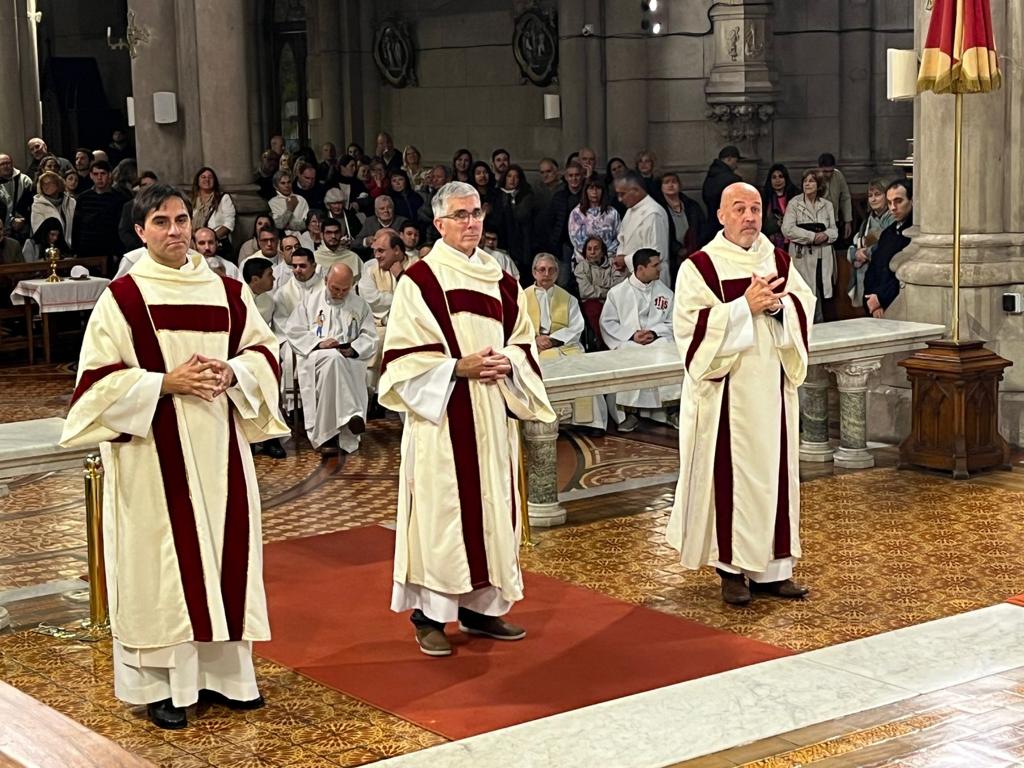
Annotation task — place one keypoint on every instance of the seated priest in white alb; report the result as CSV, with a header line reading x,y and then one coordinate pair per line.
x,y
638,312
333,333
490,244
306,278
558,322
206,243
334,249
258,274
268,243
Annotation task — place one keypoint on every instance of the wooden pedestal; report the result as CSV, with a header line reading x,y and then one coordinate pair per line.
x,y
955,409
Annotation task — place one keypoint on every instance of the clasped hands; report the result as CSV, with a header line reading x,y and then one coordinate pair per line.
x,y
761,295
488,366
202,377
644,337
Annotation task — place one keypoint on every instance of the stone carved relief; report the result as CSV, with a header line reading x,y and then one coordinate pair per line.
x,y
734,43
753,42
394,53
741,122
535,45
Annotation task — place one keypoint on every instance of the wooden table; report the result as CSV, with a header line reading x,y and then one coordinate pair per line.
x,y
66,296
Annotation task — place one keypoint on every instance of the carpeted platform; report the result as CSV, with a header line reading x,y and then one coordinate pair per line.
x,y
329,599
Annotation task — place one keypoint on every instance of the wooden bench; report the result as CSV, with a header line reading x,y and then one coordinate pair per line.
x,y
29,447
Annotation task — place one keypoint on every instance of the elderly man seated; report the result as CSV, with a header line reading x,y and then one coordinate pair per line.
x,y
332,331
383,218
558,322
638,312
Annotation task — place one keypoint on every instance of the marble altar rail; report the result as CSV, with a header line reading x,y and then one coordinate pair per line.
x,y
851,349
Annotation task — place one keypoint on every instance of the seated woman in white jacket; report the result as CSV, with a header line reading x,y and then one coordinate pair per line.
x,y
51,201
810,225
287,209
212,208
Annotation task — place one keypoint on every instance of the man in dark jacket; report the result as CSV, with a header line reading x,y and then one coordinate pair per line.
x,y
721,173
881,287
97,217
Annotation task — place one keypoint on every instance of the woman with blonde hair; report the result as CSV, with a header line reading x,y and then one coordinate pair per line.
x,y
412,165
52,201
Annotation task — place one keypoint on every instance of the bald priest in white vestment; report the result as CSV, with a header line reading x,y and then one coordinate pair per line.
x,y
638,312
333,333
741,322
177,375
558,323
459,361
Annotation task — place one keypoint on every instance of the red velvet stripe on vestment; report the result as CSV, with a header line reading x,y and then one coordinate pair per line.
x,y
782,262
707,271
172,463
733,289
92,376
234,572
394,354
202,318
461,430
723,480
474,302
700,330
271,360
508,286
530,358
782,539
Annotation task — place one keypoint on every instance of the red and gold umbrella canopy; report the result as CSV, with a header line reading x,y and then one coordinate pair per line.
x,y
959,52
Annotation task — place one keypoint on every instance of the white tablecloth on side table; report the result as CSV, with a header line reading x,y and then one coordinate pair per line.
x,y
65,296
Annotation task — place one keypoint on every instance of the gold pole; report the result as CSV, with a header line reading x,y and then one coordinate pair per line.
x,y
526,539
958,140
93,474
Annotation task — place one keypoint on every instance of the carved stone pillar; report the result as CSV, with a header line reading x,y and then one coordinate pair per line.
x,y
19,87
814,442
541,474
741,90
852,378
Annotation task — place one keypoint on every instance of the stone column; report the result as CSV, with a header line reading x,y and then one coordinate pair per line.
x,y
325,42
852,377
155,68
19,118
814,442
223,80
992,217
627,72
541,474
855,84
580,62
29,69
741,90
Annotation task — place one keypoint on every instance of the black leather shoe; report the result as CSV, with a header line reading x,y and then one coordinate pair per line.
x,y
734,588
215,697
356,425
165,715
787,589
274,449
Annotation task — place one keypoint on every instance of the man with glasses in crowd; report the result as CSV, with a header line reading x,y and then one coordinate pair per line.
x,y
460,362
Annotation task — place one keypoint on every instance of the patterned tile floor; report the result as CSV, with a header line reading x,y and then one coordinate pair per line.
x,y
883,549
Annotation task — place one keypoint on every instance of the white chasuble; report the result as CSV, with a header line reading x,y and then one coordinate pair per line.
x,y
633,306
332,386
181,521
459,506
738,497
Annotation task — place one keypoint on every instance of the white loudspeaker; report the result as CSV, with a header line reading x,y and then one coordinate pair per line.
x,y
901,74
130,109
552,106
165,107
314,109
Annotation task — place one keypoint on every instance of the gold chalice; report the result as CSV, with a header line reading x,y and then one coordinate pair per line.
x,y
53,255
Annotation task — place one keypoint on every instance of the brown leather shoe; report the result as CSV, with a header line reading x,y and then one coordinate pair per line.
x,y
492,626
330,448
787,588
734,589
432,641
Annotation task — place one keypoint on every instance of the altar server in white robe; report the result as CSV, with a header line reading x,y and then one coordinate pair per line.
x,y
637,313
306,278
460,363
645,224
177,374
333,333
741,322
334,250
377,285
558,323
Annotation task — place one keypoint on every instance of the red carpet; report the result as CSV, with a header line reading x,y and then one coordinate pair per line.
x,y
329,598
1017,600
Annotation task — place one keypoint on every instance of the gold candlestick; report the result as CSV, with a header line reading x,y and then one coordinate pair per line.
x,y
53,254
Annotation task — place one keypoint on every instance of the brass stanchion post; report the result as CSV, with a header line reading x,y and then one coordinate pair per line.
x,y
93,474
526,538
